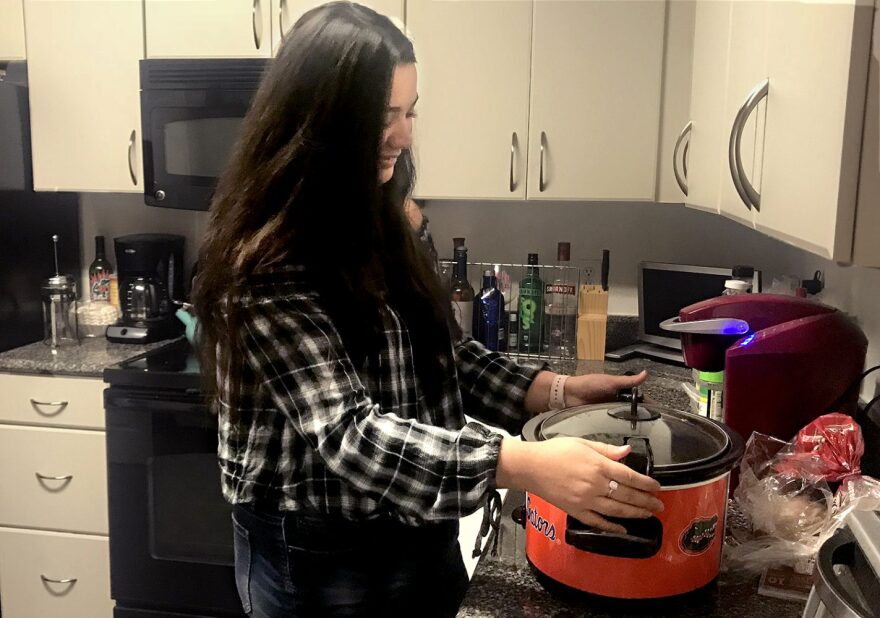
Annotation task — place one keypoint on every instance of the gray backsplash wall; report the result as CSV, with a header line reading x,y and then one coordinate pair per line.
x,y
507,231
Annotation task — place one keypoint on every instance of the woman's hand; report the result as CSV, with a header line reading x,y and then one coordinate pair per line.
x,y
598,387
575,475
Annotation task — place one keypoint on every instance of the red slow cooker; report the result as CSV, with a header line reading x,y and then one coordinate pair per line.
x,y
672,553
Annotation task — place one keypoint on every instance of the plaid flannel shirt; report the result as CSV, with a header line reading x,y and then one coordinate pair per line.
x,y
318,434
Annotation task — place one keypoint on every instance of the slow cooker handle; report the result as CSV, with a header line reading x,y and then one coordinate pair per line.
x,y
641,458
642,539
643,536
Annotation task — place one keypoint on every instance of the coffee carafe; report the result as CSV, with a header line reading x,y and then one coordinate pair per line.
x,y
150,271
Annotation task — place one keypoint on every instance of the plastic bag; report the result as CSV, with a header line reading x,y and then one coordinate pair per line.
x,y
786,494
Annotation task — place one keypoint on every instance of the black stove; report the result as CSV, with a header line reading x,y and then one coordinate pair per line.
x,y
170,528
174,366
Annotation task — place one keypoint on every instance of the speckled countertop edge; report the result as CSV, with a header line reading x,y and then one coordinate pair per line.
x,y
88,359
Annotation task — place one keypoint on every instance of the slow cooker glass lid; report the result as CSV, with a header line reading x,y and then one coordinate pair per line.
x,y
677,440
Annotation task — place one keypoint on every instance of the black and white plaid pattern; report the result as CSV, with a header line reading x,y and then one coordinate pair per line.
x,y
318,434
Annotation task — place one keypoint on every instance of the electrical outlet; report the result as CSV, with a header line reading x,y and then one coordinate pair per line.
x,y
589,275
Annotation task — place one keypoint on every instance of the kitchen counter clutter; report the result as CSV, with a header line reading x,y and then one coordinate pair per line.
x,y
87,360
505,585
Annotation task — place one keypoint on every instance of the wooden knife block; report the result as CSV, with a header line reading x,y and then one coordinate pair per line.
x,y
592,322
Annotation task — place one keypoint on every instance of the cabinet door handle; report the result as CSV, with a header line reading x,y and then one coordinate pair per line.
x,y
49,580
281,6
744,188
681,178
132,139
513,144
541,183
43,477
254,22
55,404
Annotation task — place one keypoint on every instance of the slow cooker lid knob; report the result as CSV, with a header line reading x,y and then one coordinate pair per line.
x,y
634,412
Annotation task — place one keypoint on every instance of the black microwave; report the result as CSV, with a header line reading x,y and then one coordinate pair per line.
x,y
191,113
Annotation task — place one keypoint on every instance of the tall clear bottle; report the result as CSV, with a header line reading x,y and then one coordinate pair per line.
x,y
462,293
531,309
560,308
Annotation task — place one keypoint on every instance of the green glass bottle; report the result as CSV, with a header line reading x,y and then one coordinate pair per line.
x,y
531,309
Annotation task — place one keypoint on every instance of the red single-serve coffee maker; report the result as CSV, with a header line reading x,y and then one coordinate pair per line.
x,y
786,360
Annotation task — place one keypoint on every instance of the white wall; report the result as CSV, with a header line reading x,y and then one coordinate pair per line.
x,y
507,231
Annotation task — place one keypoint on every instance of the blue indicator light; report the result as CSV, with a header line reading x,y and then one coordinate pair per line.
x,y
748,340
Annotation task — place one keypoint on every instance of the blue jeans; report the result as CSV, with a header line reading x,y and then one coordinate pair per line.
x,y
290,565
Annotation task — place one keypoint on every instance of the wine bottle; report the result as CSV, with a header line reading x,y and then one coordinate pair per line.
x,y
462,293
531,309
560,308
489,312
99,273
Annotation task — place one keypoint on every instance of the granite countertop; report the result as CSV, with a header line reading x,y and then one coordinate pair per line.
x,y
87,360
504,585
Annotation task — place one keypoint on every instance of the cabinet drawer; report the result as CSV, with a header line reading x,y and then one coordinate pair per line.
x,y
61,402
29,560
74,500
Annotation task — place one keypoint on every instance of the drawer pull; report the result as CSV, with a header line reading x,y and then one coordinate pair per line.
x,y
55,404
48,580
64,480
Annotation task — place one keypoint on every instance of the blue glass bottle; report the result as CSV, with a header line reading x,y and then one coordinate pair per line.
x,y
488,312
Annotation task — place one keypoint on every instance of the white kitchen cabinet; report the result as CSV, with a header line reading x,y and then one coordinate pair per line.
x,y
675,123
54,557
817,60
471,136
799,147
286,12
866,248
595,99
84,100
54,574
12,45
707,140
208,28
746,70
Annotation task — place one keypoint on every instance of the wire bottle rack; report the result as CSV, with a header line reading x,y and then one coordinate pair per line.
x,y
558,315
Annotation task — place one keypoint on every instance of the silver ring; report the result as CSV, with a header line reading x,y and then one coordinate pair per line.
x,y
612,485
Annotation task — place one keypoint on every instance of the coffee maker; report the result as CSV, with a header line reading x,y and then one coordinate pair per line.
x,y
786,360
150,271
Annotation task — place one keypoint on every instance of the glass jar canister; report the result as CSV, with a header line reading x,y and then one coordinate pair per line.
x,y
59,311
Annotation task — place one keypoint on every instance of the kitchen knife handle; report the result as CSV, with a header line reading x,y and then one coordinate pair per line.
x,y
606,265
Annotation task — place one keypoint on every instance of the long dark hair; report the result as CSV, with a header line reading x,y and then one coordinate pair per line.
x,y
303,188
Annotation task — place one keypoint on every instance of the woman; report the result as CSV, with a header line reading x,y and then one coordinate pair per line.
x,y
340,395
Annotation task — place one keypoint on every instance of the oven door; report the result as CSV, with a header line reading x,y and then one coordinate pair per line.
x,y
170,528
188,139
